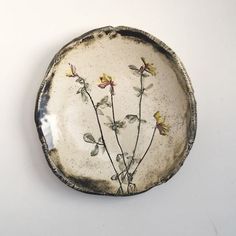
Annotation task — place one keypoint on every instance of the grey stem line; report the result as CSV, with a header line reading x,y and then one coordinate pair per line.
x,y
139,116
139,122
103,140
150,144
116,135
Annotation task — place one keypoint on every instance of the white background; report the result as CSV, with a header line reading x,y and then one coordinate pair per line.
x,y
199,200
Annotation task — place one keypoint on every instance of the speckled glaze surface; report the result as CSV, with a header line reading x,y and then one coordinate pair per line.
x,y
115,113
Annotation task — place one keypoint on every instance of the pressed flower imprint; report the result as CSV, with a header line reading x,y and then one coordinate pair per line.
x,y
125,163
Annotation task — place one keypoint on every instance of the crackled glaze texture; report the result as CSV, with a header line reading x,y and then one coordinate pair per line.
x,y
116,113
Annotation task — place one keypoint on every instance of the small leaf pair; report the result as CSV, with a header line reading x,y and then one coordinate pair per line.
x,y
132,118
88,138
142,91
83,94
103,103
115,126
138,72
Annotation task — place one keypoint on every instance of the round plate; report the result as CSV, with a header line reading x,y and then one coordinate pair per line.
x,y
116,113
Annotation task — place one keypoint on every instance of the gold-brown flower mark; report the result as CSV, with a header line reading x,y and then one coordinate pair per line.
x,y
106,80
71,72
160,124
148,67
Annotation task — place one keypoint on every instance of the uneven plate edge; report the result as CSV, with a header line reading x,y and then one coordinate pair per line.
x,y
190,94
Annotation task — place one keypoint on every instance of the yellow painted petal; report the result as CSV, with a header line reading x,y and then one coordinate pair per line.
x,y
161,125
105,78
151,69
159,118
71,71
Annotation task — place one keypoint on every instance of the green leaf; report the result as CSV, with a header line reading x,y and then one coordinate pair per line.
x,y
136,73
104,103
109,118
108,104
131,118
95,151
149,86
145,75
100,112
100,140
104,100
84,96
114,177
79,90
137,89
88,138
132,67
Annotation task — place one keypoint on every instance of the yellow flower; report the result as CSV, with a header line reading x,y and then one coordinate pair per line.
x,y
160,124
71,72
149,67
106,80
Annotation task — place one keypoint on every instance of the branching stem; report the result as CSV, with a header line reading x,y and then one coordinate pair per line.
x,y
102,136
150,144
116,135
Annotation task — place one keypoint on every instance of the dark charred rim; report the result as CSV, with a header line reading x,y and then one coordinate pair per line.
x,y
124,30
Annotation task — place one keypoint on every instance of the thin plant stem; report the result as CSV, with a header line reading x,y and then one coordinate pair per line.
x,y
139,121
150,144
102,136
139,115
116,135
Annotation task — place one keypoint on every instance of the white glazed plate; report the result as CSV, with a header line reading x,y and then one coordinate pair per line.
x,y
116,113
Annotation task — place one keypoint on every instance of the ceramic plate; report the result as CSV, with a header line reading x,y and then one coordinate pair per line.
x,y
116,112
